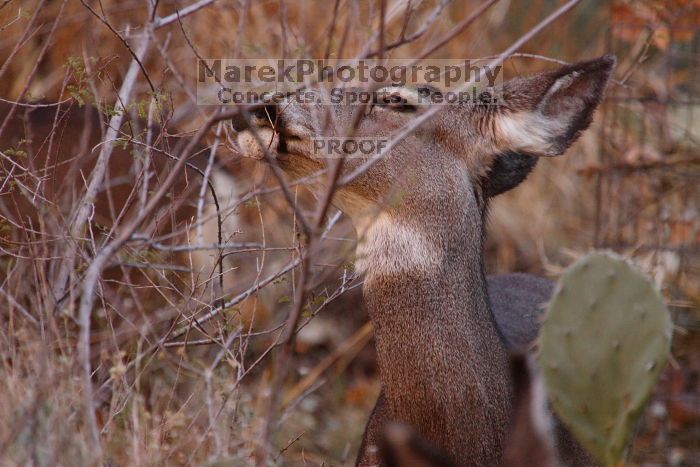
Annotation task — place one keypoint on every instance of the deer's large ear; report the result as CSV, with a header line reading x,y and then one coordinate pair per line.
x,y
544,114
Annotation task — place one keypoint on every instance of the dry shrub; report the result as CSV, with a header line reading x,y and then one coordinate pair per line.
x,y
157,401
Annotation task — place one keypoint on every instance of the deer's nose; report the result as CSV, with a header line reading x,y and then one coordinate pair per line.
x,y
266,113
260,115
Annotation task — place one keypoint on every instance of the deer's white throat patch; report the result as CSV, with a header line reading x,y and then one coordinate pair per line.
x,y
388,246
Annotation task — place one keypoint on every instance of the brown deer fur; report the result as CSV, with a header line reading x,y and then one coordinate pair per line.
x,y
420,214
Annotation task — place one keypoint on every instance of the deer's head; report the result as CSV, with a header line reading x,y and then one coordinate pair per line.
x,y
469,151
443,172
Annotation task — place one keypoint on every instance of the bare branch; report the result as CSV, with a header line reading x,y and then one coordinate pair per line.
x,y
162,22
416,122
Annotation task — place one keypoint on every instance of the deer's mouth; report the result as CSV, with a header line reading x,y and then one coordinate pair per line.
x,y
280,139
288,144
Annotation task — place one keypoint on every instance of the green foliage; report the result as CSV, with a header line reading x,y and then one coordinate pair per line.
x,y
142,109
78,88
604,341
319,300
5,227
284,299
109,110
123,143
16,153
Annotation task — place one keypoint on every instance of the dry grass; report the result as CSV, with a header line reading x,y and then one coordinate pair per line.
x,y
159,402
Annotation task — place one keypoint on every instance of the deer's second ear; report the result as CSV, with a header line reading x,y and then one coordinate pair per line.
x,y
509,169
546,113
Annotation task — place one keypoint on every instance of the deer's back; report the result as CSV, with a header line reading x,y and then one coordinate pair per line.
x,y
517,301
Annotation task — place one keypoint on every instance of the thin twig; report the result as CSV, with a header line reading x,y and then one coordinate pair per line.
x,y
82,211
17,305
201,247
414,36
94,272
351,345
6,64
162,22
35,106
418,121
200,205
135,56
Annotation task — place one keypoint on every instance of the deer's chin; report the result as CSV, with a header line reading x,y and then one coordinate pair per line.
x,y
250,143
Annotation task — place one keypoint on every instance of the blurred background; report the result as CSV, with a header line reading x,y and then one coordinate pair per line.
x,y
177,380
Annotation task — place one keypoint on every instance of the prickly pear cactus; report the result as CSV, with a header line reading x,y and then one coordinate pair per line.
x,y
604,341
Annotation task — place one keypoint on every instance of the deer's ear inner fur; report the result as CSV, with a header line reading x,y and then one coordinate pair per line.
x,y
546,113
509,169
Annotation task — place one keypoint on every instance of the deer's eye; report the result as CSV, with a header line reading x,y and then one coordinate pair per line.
x,y
394,99
402,107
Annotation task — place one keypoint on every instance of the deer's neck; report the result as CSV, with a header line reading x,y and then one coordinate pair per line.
x,y
443,365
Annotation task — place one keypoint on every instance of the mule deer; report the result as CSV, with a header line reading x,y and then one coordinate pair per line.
x,y
420,213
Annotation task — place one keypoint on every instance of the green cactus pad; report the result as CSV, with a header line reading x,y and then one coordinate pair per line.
x,y
604,341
